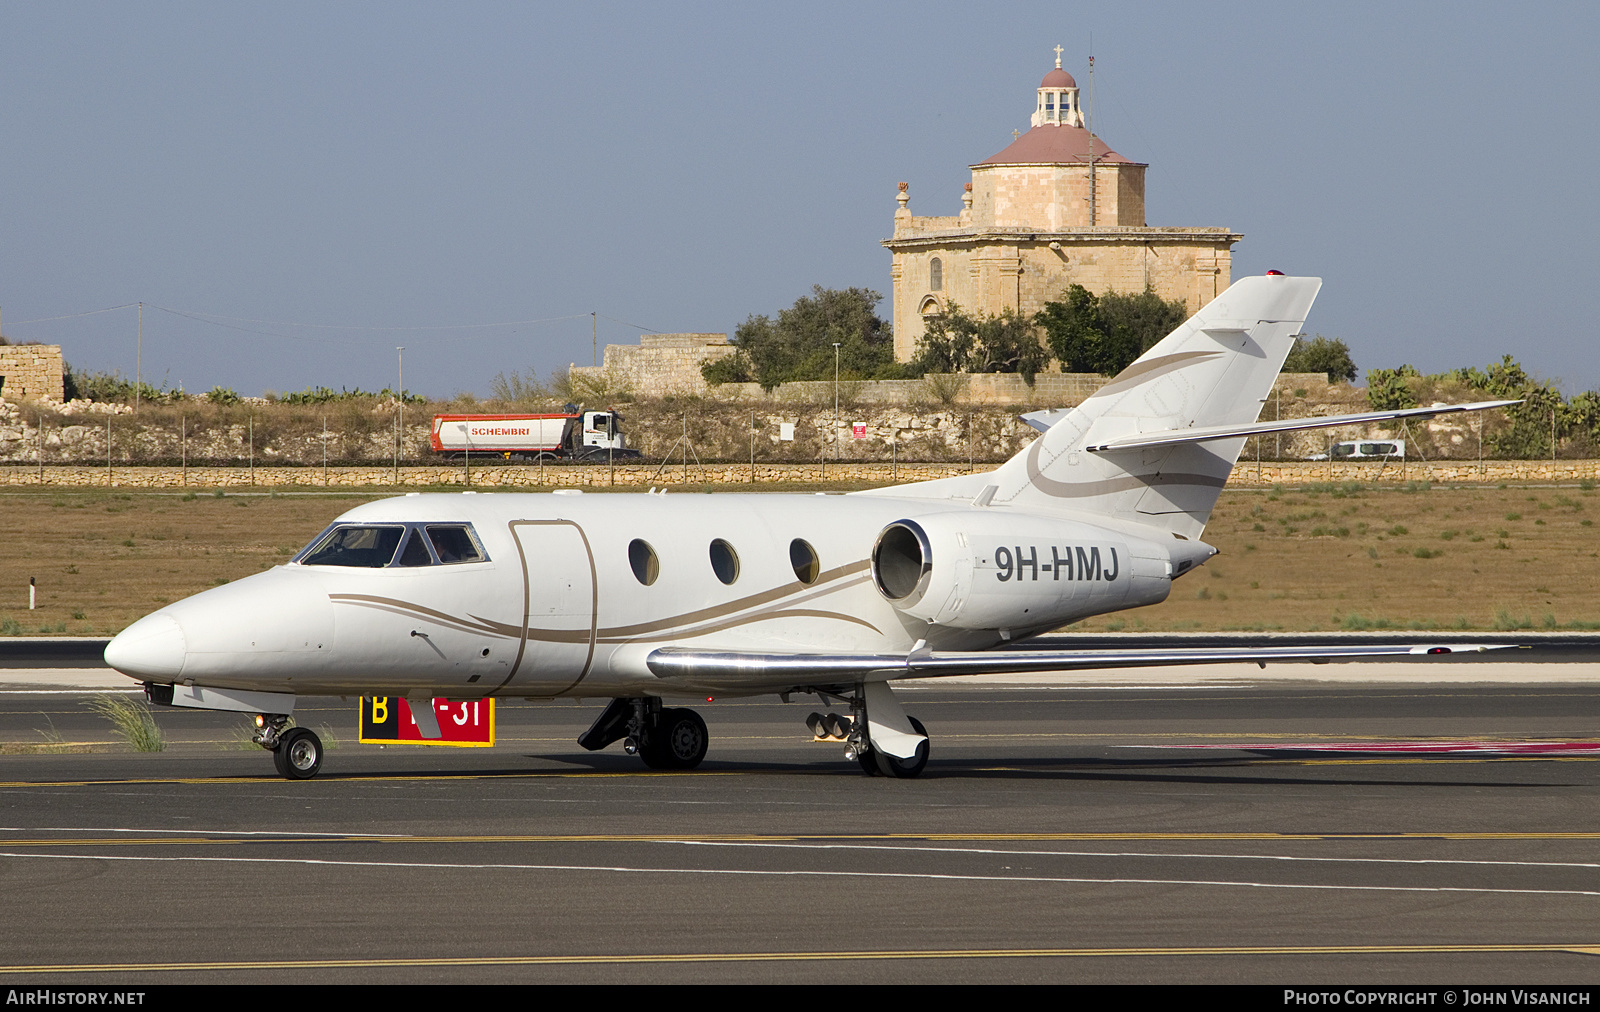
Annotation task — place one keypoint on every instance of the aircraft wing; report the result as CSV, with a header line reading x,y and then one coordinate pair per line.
x,y
737,669
1173,437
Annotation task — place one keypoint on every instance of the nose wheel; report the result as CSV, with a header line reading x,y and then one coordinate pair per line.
x,y
296,752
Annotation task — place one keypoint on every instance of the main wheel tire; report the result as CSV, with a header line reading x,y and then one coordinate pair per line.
x,y
680,739
905,769
299,754
868,760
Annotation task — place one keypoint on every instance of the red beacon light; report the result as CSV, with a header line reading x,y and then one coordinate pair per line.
x,y
1275,274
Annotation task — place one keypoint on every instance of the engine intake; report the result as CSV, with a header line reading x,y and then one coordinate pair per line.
x,y
902,562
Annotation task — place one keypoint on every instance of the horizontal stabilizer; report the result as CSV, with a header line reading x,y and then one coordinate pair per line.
x,y
713,668
1176,437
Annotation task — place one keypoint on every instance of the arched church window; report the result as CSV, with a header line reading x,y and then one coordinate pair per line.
x,y
935,275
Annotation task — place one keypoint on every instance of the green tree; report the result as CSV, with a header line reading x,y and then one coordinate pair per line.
x,y
1105,333
1142,319
1389,389
956,342
798,345
1523,431
1326,355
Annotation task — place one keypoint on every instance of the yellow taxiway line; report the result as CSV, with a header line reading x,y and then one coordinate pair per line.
x,y
169,841
821,956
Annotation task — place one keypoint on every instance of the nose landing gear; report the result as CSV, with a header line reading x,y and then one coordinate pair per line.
x,y
296,751
299,755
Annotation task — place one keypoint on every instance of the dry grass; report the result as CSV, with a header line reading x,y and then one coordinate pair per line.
x,y
104,559
1325,557
1354,557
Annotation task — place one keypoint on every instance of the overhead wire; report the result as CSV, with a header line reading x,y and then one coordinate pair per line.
x,y
92,312
232,322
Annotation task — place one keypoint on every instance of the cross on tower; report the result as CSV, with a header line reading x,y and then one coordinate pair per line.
x,y
1058,57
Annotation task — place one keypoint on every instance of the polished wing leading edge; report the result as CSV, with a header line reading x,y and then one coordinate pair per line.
x,y
788,670
1042,420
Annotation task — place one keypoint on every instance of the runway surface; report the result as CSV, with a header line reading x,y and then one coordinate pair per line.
x,y
1142,833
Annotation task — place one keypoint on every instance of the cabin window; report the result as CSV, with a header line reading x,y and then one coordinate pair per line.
x,y
415,553
361,547
804,560
455,543
646,567
724,561
935,275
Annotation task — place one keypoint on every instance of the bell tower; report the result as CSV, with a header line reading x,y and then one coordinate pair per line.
x,y
1058,99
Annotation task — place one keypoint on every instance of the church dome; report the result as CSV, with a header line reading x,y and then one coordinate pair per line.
x,y
1058,78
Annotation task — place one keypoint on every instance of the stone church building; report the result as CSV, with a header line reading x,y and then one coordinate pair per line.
x,y
1056,208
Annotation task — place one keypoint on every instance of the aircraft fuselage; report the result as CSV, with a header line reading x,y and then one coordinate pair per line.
x,y
564,601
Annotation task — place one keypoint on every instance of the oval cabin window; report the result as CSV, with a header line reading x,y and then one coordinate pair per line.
x,y
646,567
724,561
804,559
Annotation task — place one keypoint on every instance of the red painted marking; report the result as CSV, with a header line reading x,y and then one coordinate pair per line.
x,y
1552,748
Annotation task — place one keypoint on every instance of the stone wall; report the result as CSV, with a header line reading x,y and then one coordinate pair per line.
x,y
904,420
659,365
1565,472
30,372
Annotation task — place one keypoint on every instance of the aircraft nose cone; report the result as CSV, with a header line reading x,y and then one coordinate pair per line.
x,y
153,647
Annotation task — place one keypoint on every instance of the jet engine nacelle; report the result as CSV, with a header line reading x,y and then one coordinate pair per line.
x,y
990,570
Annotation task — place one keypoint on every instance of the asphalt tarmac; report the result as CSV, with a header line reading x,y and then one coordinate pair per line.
x,y
1182,833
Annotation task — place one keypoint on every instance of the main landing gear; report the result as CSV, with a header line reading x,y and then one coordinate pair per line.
x,y
878,735
296,751
666,738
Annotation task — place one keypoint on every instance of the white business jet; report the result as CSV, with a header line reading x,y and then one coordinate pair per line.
x,y
646,596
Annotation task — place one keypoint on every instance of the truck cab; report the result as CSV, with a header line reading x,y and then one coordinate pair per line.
x,y
600,431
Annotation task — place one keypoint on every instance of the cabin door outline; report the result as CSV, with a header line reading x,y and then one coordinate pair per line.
x,y
564,543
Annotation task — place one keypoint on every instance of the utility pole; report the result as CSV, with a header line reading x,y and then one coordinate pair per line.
x,y
400,416
138,361
836,402
1094,218
594,339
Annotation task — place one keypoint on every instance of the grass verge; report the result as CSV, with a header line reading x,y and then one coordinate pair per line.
x,y
132,720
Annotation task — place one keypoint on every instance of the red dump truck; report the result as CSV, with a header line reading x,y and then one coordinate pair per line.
x,y
590,436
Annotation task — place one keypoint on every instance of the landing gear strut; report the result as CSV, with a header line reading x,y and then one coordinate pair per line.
x,y
666,738
876,740
296,751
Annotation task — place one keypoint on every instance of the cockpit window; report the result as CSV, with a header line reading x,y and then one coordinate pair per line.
x,y
415,552
373,546
454,543
363,547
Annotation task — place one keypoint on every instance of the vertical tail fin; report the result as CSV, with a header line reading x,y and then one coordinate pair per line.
x,y
1216,369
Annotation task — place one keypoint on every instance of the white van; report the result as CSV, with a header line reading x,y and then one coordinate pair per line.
x,y
1365,449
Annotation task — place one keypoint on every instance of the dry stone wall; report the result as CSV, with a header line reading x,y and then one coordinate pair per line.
x,y
694,476
30,372
899,421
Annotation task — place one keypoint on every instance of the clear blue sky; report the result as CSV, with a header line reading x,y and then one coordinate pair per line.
x,y
681,167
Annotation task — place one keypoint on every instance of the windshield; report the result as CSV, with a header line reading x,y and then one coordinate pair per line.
x,y
373,546
368,547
